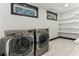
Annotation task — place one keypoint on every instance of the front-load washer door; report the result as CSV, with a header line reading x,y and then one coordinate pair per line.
x,y
43,39
21,45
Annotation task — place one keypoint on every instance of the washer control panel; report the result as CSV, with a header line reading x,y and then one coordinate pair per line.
x,y
18,32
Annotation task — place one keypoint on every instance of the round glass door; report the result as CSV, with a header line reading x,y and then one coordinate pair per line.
x,y
43,40
21,45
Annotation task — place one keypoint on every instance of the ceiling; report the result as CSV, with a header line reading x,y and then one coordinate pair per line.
x,y
59,7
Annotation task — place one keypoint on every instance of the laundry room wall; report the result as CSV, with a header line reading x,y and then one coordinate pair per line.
x,y
69,23
15,22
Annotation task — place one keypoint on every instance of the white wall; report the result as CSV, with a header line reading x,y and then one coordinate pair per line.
x,y
10,22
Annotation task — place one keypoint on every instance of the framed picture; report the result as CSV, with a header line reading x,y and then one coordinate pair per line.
x,y
24,9
51,16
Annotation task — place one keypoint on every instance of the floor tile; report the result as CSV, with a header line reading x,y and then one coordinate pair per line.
x,y
62,47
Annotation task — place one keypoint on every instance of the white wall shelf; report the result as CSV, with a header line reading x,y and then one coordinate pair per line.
x,y
66,22
69,32
76,16
68,28
66,17
65,28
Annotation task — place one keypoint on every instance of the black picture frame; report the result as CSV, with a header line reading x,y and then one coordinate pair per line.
x,y
51,16
24,9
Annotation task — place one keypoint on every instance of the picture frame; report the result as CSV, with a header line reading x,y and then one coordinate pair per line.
x,y
51,16
24,9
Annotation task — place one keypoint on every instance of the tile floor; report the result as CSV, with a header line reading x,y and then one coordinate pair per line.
x,y
62,47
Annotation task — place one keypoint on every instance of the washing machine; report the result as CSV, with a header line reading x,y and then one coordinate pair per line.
x,y
17,43
42,41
